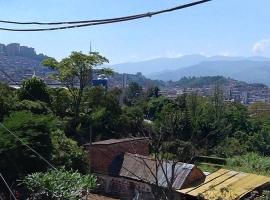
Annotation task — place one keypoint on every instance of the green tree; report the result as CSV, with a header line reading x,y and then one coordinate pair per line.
x,y
16,159
153,107
134,92
76,70
179,150
100,111
36,107
131,121
34,89
174,123
8,100
153,92
218,101
61,102
67,153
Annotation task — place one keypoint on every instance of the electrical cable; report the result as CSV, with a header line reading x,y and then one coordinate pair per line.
x,y
34,151
86,23
2,177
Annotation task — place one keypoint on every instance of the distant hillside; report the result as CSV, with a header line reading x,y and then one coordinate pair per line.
x,y
16,50
152,68
199,82
117,80
243,70
20,62
157,65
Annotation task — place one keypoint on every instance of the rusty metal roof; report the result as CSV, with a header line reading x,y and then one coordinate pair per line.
x,y
149,170
237,183
115,141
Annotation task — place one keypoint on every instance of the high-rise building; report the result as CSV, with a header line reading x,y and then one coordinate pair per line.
x,y
13,49
2,49
27,51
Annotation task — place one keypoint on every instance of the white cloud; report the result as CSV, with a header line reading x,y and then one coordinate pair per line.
x,y
261,46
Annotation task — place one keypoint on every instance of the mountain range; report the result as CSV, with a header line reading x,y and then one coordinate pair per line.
x,y
248,69
20,62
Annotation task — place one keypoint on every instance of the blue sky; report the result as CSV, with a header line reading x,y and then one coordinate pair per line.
x,y
221,27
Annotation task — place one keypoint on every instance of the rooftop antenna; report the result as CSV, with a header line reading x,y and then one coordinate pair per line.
x,y
34,74
90,50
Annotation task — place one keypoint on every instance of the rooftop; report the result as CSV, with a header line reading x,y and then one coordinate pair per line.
x,y
115,141
143,168
238,183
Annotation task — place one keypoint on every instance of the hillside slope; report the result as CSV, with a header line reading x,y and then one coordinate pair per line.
x,y
243,70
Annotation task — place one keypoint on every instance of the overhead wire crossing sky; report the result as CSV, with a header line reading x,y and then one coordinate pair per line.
x,y
86,23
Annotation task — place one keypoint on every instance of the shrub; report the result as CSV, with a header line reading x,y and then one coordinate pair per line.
x,y
58,184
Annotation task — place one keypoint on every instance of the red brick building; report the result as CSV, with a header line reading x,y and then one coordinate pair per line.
x,y
101,154
124,169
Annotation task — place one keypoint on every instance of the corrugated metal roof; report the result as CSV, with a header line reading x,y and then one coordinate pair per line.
x,y
146,169
114,141
238,184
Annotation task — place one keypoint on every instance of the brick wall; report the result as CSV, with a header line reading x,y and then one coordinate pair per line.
x,y
102,155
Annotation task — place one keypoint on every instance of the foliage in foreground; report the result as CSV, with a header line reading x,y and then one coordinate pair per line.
x,y
59,184
16,159
67,153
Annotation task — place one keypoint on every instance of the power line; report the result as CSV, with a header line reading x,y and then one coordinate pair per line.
x,y
149,14
8,76
34,151
2,177
86,23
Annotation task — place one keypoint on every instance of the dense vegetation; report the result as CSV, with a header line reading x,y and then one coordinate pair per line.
x,y
191,82
56,122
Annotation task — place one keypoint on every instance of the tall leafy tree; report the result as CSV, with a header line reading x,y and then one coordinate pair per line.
x,y
76,72
101,110
61,102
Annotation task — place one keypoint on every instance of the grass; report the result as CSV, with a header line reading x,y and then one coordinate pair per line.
x,y
249,163
208,167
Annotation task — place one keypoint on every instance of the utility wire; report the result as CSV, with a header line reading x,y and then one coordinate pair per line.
x,y
41,157
149,14
86,23
2,177
9,77
34,151
68,22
